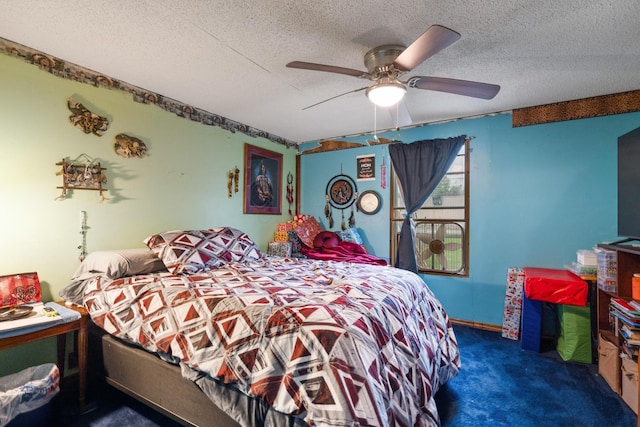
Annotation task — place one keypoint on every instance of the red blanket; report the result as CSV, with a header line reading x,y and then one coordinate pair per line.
x,y
343,251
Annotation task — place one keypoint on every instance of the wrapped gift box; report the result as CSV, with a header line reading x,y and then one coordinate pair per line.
x,y
285,226
513,303
281,249
281,236
556,286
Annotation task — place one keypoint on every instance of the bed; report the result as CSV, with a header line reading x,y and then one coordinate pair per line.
x,y
269,341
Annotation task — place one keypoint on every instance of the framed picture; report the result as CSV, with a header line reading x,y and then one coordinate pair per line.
x,y
366,167
262,181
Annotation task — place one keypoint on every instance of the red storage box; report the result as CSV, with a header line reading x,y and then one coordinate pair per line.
x,y
555,286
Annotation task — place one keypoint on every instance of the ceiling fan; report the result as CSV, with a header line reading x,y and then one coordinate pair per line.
x,y
385,64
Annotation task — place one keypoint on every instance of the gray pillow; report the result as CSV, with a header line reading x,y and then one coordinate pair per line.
x,y
119,263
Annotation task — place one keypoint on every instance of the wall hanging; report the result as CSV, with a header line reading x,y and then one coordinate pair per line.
x,y
128,146
82,173
85,120
82,247
232,180
262,181
290,198
341,193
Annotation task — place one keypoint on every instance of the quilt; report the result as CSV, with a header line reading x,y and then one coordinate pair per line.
x,y
337,344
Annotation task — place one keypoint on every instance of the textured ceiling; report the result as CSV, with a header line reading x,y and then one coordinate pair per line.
x,y
228,57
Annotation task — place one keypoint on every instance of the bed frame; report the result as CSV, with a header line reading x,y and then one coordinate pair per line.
x,y
161,386
128,369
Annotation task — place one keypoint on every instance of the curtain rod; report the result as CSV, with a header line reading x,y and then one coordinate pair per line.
x,y
354,135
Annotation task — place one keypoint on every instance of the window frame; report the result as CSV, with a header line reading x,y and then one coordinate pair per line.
x,y
394,219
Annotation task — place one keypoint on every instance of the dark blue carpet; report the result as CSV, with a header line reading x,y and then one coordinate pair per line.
x,y
499,385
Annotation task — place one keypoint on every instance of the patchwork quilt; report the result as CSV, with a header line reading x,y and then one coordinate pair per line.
x,y
334,343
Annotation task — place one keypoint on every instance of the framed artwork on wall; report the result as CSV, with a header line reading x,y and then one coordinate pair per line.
x,y
262,181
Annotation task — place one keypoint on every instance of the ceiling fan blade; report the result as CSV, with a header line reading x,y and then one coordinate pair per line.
x,y
428,44
328,68
400,114
459,87
334,97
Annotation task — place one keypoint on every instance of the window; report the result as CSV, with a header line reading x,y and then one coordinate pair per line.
x,y
442,223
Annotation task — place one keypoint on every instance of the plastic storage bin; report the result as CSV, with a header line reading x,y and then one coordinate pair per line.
x,y
24,396
607,270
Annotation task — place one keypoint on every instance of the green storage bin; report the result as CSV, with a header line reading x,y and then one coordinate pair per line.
x,y
574,340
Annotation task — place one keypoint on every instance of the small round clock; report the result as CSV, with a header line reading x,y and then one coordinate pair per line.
x,y
369,202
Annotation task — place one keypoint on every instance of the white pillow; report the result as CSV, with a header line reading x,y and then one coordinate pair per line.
x,y
119,263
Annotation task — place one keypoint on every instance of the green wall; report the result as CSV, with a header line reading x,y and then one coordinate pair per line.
x,y
181,184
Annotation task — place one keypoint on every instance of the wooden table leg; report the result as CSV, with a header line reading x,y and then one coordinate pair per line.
x,y
62,348
83,347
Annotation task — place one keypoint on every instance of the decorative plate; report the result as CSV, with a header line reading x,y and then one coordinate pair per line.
x,y
369,202
13,313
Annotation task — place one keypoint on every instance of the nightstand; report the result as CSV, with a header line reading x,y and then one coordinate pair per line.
x,y
60,331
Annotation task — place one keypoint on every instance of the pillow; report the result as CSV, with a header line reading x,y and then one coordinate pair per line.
x,y
308,230
350,235
192,251
326,239
119,263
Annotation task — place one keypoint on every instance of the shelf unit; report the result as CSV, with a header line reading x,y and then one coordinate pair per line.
x,y
628,263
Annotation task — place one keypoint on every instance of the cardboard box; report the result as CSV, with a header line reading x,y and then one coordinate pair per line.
x,y
609,362
629,383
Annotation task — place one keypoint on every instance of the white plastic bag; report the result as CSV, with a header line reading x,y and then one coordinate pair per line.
x,y
27,390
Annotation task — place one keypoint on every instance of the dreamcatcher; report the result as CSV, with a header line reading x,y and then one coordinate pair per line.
x,y
341,193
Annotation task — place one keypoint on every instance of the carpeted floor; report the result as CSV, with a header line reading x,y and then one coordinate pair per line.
x,y
499,385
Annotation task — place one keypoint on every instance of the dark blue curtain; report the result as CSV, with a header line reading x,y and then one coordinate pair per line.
x,y
419,167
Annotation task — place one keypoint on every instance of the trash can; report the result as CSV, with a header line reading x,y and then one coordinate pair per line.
x,y
25,395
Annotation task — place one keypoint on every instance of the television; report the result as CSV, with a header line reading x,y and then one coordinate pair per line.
x,y
629,186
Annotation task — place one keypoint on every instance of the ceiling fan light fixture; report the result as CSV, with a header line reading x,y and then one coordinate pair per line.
x,y
385,94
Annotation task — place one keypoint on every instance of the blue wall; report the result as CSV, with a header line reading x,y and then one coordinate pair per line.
x,y
537,195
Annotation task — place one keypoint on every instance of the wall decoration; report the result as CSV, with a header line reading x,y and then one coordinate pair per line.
x,y
262,181
290,193
82,247
85,120
71,71
229,184
366,167
82,173
369,202
233,178
236,179
383,174
341,193
128,146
